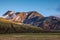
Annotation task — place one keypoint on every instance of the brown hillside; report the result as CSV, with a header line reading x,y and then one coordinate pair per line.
x,y
20,17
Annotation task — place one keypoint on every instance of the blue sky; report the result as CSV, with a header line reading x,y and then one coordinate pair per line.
x,y
45,7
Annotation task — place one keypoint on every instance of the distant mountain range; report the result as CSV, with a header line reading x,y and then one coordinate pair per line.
x,y
34,18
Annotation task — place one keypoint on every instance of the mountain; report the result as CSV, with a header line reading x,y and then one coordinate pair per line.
x,y
21,16
34,18
48,23
18,16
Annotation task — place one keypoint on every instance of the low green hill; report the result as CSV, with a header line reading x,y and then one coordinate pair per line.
x,y
7,26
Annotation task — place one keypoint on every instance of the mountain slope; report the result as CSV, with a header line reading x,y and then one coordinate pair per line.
x,y
32,17
7,26
20,17
48,23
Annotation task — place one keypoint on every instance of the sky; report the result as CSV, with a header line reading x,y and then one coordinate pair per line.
x,y
44,7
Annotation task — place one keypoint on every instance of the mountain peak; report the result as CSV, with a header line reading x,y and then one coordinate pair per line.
x,y
8,12
9,15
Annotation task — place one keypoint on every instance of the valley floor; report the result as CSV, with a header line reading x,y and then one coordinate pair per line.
x,y
30,36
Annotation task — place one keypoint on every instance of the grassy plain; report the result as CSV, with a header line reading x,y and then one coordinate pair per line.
x,y
30,36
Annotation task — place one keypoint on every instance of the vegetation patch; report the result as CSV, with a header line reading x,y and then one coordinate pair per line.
x,y
7,26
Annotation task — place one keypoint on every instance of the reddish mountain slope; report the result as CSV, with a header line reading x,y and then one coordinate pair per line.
x,y
20,17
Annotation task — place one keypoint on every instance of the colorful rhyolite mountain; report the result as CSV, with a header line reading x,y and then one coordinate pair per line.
x,y
34,18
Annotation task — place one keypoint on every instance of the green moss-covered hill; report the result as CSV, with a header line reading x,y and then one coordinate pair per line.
x,y
7,26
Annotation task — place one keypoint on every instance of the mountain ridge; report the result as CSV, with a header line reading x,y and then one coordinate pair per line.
x,y
34,18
